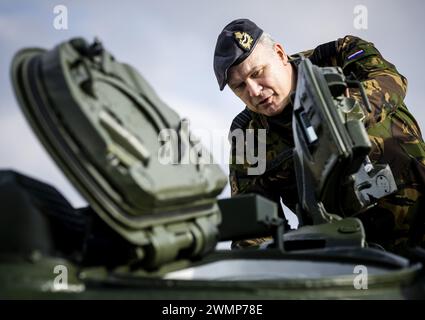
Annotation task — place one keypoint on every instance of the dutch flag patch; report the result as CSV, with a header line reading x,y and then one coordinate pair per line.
x,y
355,54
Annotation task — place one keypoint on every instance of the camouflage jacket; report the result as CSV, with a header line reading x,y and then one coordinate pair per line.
x,y
394,133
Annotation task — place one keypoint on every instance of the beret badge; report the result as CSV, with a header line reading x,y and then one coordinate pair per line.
x,y
244,40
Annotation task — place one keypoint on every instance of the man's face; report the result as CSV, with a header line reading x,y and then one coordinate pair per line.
x,y
264,80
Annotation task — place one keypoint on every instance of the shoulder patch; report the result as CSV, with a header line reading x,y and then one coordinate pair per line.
x,y
355,54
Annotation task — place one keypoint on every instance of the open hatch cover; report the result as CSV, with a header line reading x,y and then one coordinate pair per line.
x,y
110,133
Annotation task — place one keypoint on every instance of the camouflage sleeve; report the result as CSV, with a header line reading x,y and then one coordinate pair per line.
x,y
273,175
242,183
384,85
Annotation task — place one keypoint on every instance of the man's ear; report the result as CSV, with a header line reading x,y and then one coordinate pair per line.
x,y
281,53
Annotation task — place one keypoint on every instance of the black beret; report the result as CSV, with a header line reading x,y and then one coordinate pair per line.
x,y
234,44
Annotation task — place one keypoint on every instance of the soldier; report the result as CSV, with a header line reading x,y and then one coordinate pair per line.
x,y
259,71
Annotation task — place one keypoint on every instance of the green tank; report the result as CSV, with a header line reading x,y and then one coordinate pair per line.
x,y
154,220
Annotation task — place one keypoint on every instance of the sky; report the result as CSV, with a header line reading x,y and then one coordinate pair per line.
x,y
171,43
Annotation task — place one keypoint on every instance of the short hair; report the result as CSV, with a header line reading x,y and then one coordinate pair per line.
x,y
267,40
